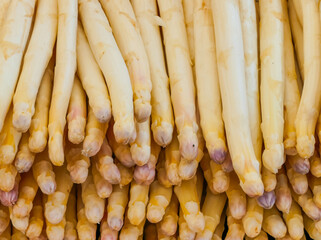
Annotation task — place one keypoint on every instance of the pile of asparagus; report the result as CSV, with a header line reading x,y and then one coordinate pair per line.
x,y
150,119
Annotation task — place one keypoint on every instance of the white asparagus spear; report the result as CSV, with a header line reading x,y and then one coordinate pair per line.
x,y
162,120
123,22
64,77
14,34
230,55
3,9
35,62
309,107
112,64
181,76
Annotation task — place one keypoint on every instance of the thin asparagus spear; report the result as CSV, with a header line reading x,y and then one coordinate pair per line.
x,y
36,219
137,203
294,221
282,192
24,158
252,220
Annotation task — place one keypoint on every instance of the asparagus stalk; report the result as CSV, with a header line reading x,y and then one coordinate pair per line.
x,y
252,220
36,219
273,223
168,225
294,221
24,158
103,187
283,193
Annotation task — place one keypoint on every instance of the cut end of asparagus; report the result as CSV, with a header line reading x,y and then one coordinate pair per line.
x,y
38,141
188,144
252,185
56,150
21,120
267,200
155,213
252,226
195,222
187,169
163,133
140,154
136,213
273,157
76,130
124,131
305,146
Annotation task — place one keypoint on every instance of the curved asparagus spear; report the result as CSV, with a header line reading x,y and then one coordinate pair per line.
x,y
181,76
112,64
162,120
18,17
64,77
45,28
228,32
91,78
39,123
308,111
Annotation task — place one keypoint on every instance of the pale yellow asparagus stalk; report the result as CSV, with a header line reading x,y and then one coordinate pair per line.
x,y
221,179
121,151
308,111
294,221
299,165
315,186
228,32
168,225
56,204
146,174
159,199
299,10
184,231
282,192
188,8
43,173
77,163
4,218
24,158
291,92
307,204
94,205
162,115
56,231
77,113
138,200
64,77
3,9
126,174
181,76
315,165
190,204
71,217
252,220
91,78
172,160
105,163
130,231
269,179
9,140
37,54
272,83
117,203
124,24
6,234
95,134
297,34
250,45
112,64
10,197
227,165
235,228
85,229
236,198
207,80
212,214
140,148
20,223
106,232
39,123
8,174
18,235
162,176
27,192
36,219
310,227
298,181
103,187
218,233
14,34
273,223
205,166
162,236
